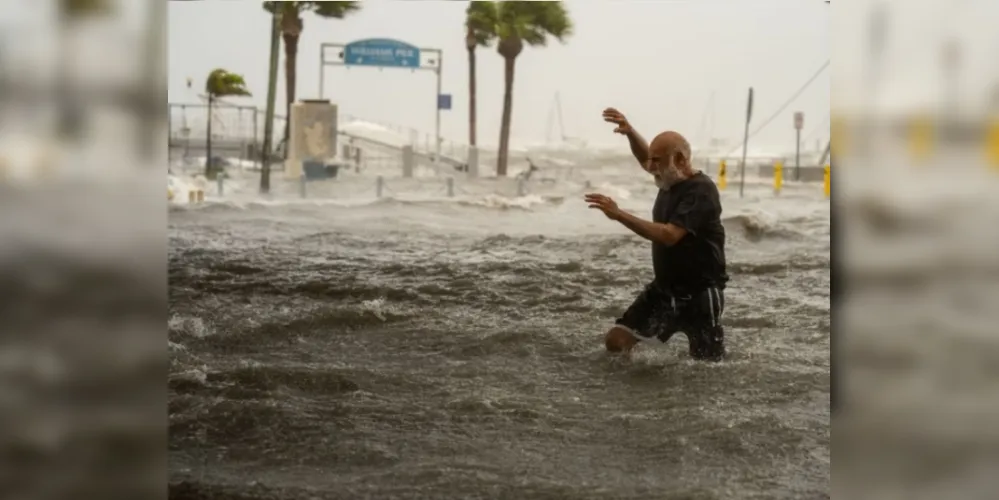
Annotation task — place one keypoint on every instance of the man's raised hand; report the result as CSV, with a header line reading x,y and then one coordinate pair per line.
x,y
603,203
614,116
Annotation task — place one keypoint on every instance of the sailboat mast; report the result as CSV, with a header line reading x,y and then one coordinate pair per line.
x,y
551,123
705,119
558,107
711,121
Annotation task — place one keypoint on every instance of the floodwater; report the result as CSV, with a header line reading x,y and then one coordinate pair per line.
x,y
421,346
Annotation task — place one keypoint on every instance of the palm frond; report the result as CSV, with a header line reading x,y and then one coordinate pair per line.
x,y
280,7
293,10
331,10
481,21
534,22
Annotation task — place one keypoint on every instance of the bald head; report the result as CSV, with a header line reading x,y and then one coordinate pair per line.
x,y
669,159
670,146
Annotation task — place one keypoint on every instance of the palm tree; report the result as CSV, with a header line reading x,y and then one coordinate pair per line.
x,y
480,31
220,83
291,30
518,23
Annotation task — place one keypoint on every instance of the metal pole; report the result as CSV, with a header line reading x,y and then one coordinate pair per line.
x,y
272,71
169,127
187,136
437,127
322,48
797,154
256,135
745,143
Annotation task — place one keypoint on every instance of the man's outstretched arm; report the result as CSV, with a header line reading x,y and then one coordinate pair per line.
x,y
639,148
688,218
666,234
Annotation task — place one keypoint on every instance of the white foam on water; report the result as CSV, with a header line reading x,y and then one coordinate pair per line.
x,y
496,201
189,326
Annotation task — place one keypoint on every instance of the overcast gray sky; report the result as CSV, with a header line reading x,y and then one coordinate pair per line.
x,y
658,61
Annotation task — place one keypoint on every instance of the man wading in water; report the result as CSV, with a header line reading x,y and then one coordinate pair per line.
x,y
688,250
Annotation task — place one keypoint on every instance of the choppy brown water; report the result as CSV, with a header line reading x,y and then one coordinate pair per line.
x,y
449,349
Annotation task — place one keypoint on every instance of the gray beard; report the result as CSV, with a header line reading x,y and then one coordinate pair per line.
x,y
661,182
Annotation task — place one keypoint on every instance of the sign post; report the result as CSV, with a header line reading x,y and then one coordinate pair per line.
x,y
799,121
387,53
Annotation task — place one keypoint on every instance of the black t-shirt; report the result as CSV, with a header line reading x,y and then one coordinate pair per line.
x,y
697,261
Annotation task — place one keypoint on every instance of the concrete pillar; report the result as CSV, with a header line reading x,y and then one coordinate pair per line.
x,y
313,135
408,161
473,161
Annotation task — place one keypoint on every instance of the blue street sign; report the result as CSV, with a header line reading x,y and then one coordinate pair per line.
x,y
381,52
444,101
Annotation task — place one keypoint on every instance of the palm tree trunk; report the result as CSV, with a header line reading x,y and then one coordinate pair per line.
x,y
504,144
290,60
471,97
208,140
265,161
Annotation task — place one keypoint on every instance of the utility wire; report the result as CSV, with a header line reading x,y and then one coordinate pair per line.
x,y
822,125
782,108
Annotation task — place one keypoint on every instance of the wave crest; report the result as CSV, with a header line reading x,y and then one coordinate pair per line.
x,y
756,227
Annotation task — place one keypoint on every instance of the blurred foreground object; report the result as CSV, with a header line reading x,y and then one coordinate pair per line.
x,y
915,242
921,138
82,352
70,15
992,144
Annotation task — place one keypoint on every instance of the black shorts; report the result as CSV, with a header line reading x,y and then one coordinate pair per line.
x,y
657,314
